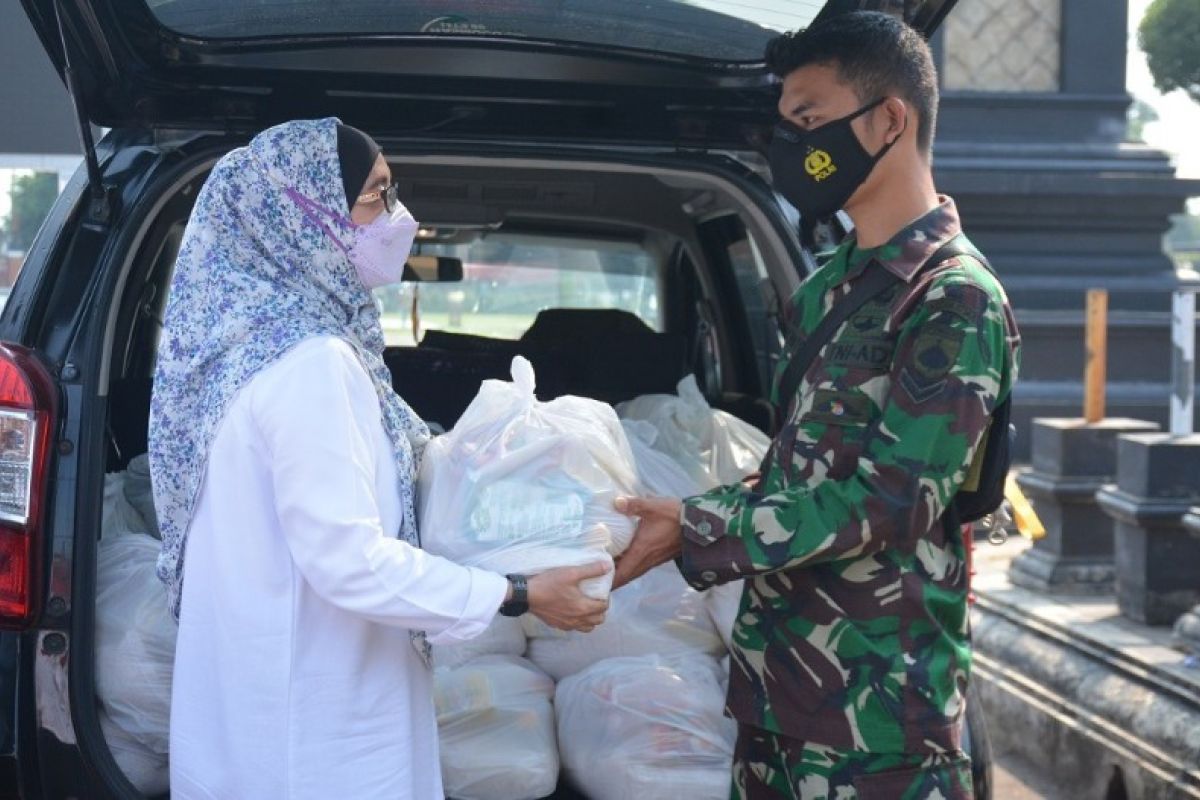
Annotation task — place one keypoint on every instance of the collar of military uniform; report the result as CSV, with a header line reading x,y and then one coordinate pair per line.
x,y
906,252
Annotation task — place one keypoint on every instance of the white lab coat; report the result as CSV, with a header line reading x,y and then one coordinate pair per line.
x,y
294,673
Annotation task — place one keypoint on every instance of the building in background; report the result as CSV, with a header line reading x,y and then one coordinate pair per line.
x,y
1032,145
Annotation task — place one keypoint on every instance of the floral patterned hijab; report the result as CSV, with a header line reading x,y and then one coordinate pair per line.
x,y
254,278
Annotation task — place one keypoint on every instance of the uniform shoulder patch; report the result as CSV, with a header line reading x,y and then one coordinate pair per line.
x,y
935,350
934,354
951,305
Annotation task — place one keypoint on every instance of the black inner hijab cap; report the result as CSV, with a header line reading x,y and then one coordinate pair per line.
x,y
357,153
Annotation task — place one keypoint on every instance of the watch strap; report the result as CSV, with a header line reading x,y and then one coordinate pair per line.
x,y
519,603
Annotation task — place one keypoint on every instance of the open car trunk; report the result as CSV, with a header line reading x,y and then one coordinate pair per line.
x,y
721,268
714,259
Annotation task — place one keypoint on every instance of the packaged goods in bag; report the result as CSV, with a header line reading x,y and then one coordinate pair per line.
x,y
135,657
496,730
504,637
523,486
637,728
657,614
713,446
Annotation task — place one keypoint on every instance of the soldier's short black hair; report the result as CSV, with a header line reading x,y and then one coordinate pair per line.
x,y
875,53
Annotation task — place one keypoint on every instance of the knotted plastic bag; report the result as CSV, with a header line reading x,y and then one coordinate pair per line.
x,y
713,446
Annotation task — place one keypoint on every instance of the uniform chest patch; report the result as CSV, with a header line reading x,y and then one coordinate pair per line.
x,y
864,353
833,407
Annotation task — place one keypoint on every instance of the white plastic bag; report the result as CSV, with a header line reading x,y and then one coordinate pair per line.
x,y
638,728
659,475
135,657
496,730
129,501
657,614
722,603
504,636
139,494
714,447
149,772
523,486
118,515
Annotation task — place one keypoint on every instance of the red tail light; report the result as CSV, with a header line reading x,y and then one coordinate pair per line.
x,y
27,419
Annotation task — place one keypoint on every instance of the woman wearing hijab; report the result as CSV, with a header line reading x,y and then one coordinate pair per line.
x,y
283,466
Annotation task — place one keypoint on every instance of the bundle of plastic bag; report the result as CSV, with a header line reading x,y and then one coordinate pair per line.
x,y
657,614
135,657
634,728
713,446
504,637
524,486
496,730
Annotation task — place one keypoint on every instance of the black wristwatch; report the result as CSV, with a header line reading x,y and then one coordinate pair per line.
x,y
519,603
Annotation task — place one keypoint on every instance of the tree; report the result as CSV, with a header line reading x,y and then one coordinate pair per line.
x,y
32,196
1140,113
1169,34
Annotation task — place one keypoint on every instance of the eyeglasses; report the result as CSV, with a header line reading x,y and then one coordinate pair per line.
x,y
390,197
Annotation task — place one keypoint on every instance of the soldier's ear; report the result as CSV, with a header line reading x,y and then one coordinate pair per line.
x,y
897,116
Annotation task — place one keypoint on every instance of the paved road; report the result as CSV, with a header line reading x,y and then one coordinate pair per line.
x,y
1018,779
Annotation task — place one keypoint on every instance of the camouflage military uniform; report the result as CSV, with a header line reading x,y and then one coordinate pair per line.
x,y
852,642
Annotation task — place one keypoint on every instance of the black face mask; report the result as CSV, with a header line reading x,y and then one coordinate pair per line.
x,y
818,171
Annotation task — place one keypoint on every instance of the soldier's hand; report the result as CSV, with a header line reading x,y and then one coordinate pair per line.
x,y
657,540
556,598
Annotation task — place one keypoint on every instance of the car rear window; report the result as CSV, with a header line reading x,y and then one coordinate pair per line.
x,y
509,278
725,30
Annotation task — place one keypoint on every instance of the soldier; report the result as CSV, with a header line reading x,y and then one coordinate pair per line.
x,y
851,649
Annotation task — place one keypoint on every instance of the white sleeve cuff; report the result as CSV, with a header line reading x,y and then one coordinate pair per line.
x,y
484,599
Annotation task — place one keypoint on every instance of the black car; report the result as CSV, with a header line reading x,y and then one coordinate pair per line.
x,y
595,166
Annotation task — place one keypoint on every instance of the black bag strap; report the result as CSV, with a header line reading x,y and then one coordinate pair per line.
x,y
876,282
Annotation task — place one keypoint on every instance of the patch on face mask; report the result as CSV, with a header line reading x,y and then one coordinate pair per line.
x,y
839,408
819,165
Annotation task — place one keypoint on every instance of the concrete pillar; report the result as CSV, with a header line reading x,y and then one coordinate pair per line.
x,y
1072,460
1187,628
1158,481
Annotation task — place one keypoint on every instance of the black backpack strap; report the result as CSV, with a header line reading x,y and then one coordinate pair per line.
x,y
877,281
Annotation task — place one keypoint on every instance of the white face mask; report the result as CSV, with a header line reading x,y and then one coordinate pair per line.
x,y
381,248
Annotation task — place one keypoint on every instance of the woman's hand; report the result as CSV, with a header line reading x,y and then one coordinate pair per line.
x,y
556,599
